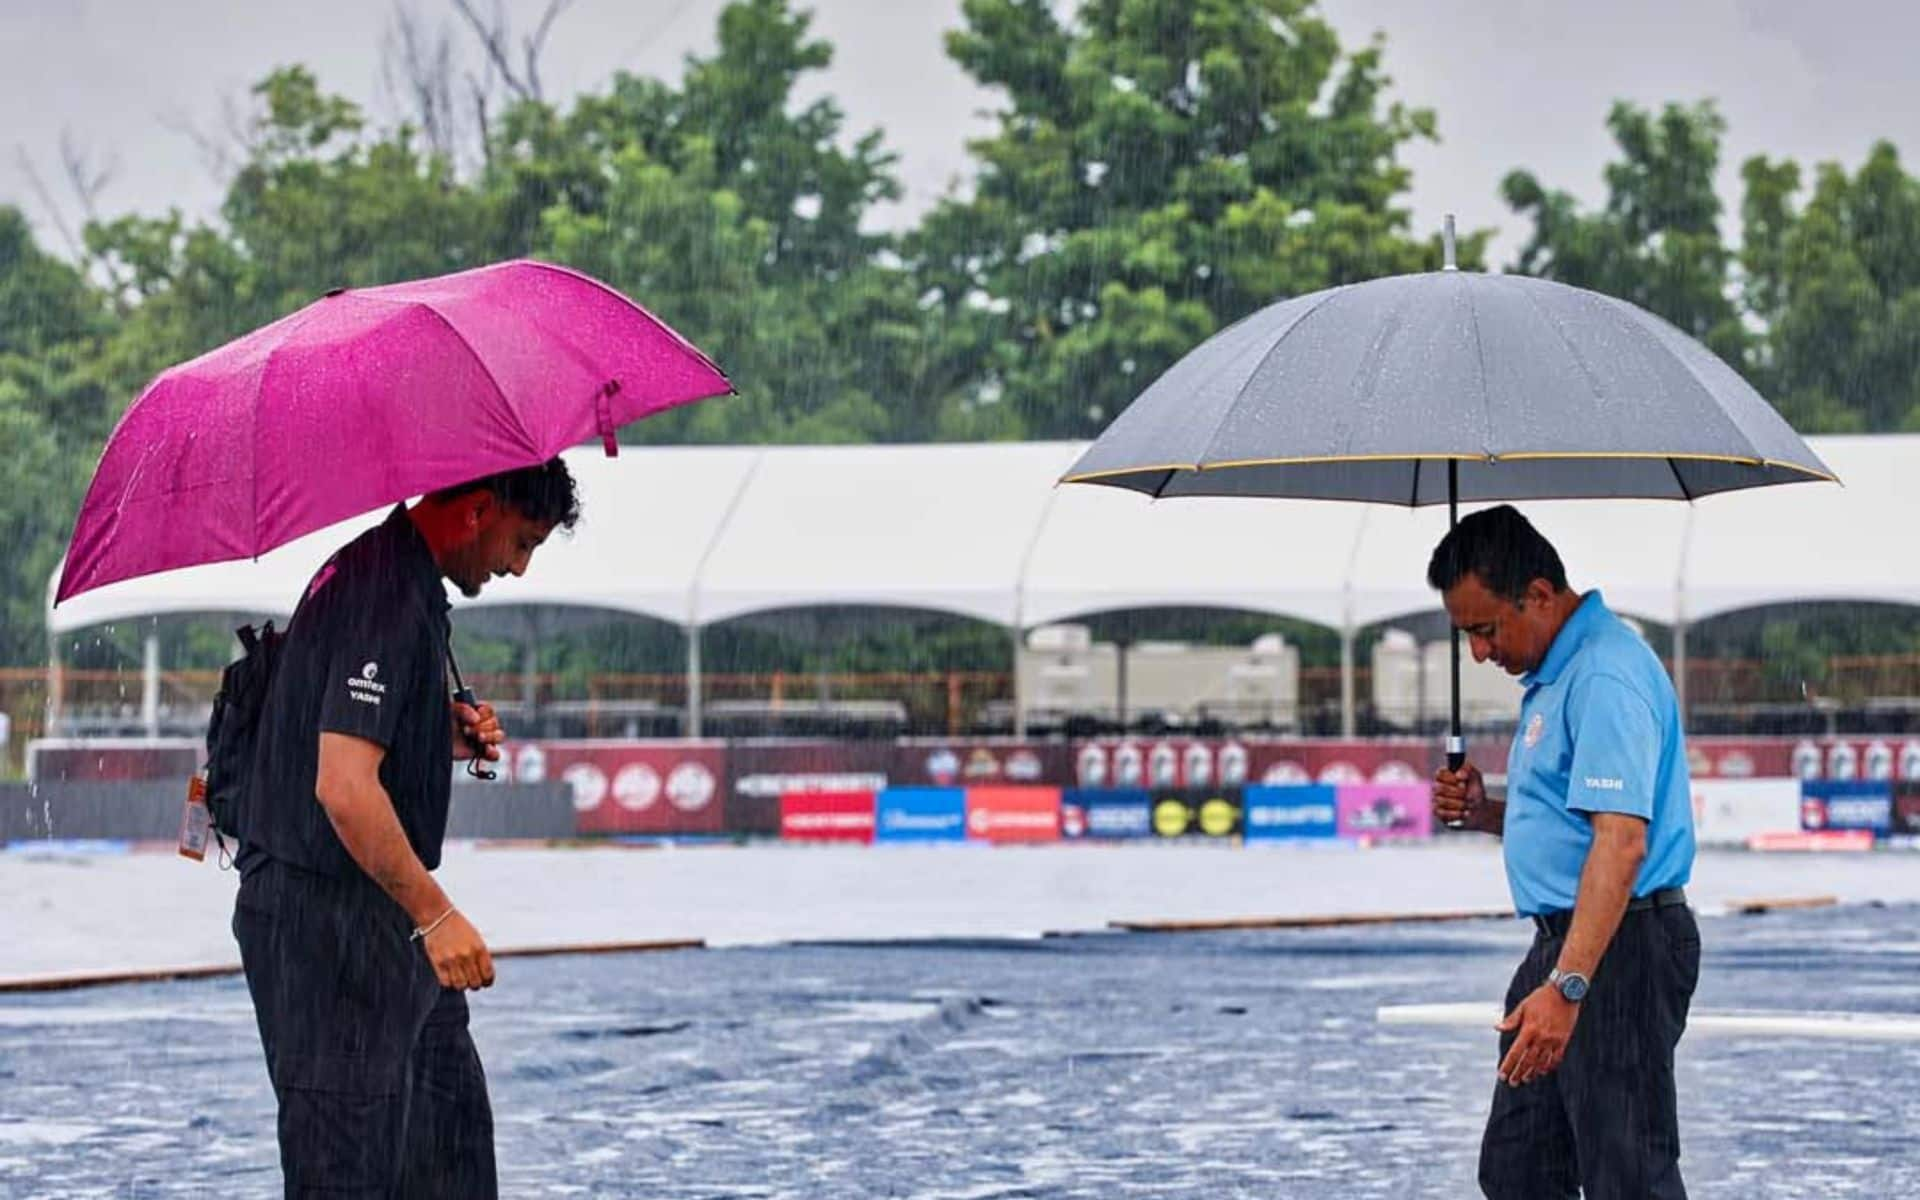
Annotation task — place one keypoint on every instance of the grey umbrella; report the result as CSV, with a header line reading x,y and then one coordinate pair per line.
x,y
1443,387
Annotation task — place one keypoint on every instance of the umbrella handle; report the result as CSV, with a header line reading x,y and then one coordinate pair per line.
x,y
1456,758
476,765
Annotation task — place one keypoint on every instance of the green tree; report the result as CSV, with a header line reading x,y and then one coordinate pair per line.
x,y
1836,287
1161,168
740,219
1656,241
55,406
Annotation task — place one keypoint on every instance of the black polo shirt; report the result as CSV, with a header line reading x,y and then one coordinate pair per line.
x,y
365,655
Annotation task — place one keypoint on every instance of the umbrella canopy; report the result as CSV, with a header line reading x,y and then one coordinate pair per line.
x,y
367,397
1443,387
1366,392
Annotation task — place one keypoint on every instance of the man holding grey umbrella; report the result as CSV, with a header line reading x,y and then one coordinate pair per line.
x,y
1598,831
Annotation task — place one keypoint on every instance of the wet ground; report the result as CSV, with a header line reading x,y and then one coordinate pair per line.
x,y
1245,1064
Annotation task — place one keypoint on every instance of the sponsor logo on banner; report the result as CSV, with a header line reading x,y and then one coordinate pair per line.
x,y
1197,765
1013,814
1128,767
1233,765
1073,821
1171,818
1806,761
981,764
1906,808
1843,761
1859,805
1090,767
1376,811
1340,772
1736,764
1163,766
530,764
1910,761
636,787
943,766
589,784
1219,817
690,787
1111,812
771,784
1879,761
911,814
1291,812
1285,773
1395,771
827,817
1024,766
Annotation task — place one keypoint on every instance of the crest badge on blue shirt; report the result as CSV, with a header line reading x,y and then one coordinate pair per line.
x,y
1535,728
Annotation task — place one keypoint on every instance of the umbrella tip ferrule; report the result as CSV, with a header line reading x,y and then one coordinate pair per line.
x,y
1446,244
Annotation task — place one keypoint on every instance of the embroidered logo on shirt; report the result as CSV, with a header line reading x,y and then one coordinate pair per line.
x,y
1535,728
364,688
1599,784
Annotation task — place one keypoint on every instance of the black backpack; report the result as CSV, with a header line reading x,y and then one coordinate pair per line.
x,y
235,724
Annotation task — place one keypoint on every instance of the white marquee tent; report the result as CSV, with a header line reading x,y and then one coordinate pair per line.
x,y
700,535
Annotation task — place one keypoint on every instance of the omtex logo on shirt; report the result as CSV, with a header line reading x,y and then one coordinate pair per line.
x,y
365,687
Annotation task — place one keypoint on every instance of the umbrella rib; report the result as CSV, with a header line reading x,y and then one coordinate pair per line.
x,y
1673,464
1480,356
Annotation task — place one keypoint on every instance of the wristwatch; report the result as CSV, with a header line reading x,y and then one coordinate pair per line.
x,y
1571,985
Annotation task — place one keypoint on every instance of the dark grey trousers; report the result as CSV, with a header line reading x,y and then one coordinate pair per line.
x,y
380,1089
1604,1124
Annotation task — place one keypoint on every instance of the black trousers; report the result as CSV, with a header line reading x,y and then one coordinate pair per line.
x,y
1603,1124
380,1089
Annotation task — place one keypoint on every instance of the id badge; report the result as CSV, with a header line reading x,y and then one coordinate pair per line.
x,y
196,820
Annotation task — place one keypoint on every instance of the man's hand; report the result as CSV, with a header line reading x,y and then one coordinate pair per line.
x,y
1545,1020
460,958
1460,796
479,726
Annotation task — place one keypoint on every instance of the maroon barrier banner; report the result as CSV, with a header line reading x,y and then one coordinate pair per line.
x,y
827,817
112,760
1346,762
981,762
631,786
759,773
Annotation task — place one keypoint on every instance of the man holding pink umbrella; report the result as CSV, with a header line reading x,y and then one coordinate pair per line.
x,y
357,960
331,752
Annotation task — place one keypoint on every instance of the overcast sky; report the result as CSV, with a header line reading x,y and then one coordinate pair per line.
x,y
1515,82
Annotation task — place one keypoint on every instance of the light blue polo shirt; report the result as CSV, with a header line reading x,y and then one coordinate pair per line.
x,y
1599,732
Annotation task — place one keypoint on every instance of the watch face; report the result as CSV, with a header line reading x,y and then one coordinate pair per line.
x,y
1574,988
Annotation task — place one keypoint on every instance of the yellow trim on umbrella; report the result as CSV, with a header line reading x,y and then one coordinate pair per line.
x,y
1094,476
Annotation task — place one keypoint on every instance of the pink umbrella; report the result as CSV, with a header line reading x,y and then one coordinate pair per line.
x,y
369,396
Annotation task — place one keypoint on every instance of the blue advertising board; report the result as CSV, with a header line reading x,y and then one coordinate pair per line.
x,y
1865,804
919,814
1106,813
1291,812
